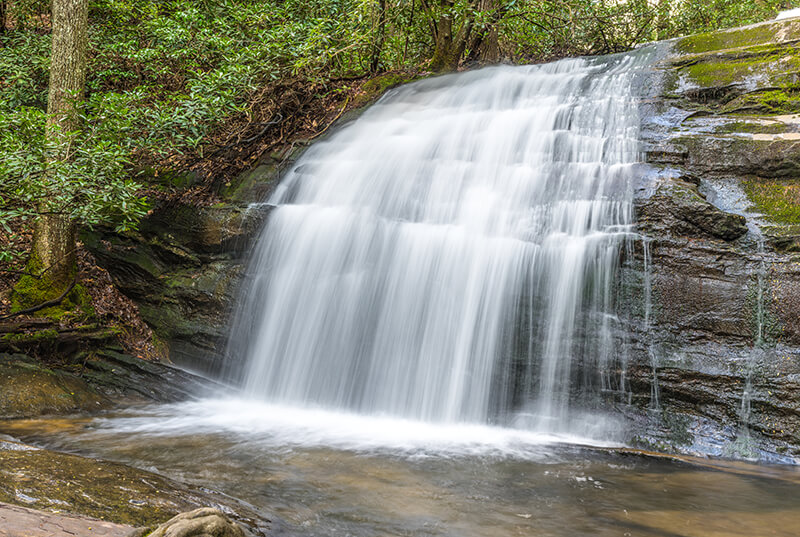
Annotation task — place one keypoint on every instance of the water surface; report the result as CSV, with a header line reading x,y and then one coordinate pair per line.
x,y
324,474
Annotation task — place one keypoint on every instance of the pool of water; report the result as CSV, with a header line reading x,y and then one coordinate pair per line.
x,y
328,474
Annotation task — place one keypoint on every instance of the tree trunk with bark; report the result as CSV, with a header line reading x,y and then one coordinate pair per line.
x,y
451,39
485,45
449,43
380,37
53,262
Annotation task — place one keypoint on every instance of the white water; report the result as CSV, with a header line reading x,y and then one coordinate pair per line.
x,y
788,14
271,426
451,256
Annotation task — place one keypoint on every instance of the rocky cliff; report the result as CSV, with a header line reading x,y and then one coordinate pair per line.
x,y
717,368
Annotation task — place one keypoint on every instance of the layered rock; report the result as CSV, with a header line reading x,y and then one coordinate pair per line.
x,y
719,210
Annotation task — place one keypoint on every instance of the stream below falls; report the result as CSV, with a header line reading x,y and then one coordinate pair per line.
x,y
325,474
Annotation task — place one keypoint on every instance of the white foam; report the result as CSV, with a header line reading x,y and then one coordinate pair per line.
x,y
271,426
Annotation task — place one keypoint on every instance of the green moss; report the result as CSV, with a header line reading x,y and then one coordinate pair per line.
x,y
379,84
778,201
375,87
738,38
751,127
40,336
30,292
715,70
773,102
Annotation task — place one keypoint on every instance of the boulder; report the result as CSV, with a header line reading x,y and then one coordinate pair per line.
x,y
203,522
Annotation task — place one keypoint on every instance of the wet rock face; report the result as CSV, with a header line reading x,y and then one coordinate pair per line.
x,y
30,387
182,269
678,208
48,480
721,213
183,266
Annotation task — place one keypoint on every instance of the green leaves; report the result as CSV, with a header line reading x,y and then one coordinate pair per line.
x,y
165,74
83,175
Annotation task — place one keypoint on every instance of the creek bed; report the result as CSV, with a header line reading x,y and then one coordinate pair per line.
x,y
323,473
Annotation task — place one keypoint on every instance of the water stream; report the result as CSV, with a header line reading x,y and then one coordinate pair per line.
x,y
320,474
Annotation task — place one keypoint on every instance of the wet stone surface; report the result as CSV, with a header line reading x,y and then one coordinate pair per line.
x,y
62,483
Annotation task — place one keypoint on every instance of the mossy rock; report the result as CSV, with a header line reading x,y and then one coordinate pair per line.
x,y
748,36
751,70
65,483
28,388
767,102
378,85
754,125
104,490
718,71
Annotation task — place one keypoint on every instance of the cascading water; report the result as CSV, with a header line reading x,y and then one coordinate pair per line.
x,y
451,255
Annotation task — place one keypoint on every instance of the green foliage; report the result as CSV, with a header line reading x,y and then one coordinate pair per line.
x,y
89,182
555,28
163,75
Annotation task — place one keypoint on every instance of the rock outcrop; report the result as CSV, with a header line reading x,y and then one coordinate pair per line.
x,y
717,370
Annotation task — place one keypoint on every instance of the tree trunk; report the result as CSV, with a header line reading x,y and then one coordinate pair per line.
x,y
444,54
380,36
2,17
485,46
449,45
67,66
53,255
53,261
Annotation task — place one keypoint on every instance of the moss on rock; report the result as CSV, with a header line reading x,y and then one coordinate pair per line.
x,y
28,388
778,201
740,37
104,490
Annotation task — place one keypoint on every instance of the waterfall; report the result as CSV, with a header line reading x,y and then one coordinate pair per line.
x,y
451,256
